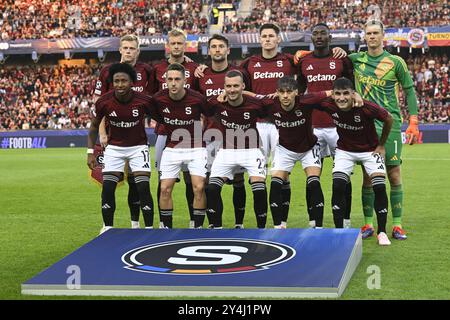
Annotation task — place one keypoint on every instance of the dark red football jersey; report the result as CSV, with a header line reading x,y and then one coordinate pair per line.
x,y
160,80
126,121
238,124
356,127
318,74
212,85
265,73
182,114
144,83
295,126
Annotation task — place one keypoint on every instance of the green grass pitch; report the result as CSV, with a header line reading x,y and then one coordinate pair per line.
x,y
49,207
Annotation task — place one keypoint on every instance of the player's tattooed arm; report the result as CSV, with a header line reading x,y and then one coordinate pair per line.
x,y
92,138
199,71
103,136
387,125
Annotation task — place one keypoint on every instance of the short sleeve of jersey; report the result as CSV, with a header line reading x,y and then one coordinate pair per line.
x,y
101,85
402,72
99,112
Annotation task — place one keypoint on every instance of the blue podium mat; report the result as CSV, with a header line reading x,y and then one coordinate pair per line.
x,y
186,262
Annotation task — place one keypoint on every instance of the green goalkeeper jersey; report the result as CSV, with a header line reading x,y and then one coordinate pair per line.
x,y
377,79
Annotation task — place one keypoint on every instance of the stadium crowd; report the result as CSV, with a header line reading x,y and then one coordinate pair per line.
x,y
46,97
53,19
60,97
431,81
294,15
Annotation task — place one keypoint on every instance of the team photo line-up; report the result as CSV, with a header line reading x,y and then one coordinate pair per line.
x,y
219,120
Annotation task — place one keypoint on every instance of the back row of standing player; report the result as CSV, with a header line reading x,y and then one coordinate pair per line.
x,y
317,72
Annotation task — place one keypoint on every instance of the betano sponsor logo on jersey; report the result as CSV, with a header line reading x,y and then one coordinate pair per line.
x,y
123,124
321,77
290,124
346,126
268,75
178,122
370,80
233,125
207,256
214,92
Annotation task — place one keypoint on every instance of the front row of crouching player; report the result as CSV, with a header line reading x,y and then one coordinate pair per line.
x,y
180,110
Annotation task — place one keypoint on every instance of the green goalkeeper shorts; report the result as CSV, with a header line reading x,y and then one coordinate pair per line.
x,y
393,147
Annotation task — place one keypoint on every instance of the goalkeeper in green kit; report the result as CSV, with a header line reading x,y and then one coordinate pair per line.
x,y
378,75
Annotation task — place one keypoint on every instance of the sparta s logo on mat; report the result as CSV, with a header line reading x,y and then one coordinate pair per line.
x,y
207,256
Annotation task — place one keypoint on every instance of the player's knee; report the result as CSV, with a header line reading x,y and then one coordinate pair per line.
x,y
394,175
198,188
166,191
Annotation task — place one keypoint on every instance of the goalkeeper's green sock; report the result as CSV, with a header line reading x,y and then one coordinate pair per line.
x,y
367,198
396,198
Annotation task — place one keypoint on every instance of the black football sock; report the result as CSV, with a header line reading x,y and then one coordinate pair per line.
x,y
348,200
286,200
275,200
239,199
260,203
317,200
214,189
166,217
133,199
340,181
190,198
199,217
381,202
146,199
109,198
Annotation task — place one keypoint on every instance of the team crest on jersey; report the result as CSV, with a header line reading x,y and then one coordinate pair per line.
x,y
357,119
332,65
166,110
135,113
207,256
209,81
257,65
279,63
298,113
310,67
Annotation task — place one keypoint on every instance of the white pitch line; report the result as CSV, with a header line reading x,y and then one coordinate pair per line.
x,y
433,159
